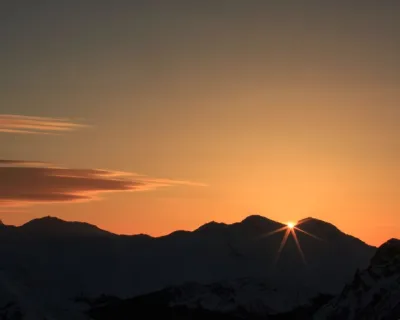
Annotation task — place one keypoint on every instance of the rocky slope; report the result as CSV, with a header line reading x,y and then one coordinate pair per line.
x,y
374,293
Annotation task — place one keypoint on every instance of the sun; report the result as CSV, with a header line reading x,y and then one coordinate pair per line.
x,y
290,229
291,225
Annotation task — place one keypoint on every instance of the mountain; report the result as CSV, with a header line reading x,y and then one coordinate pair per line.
x,y
374,293
51,226
234,299
54,261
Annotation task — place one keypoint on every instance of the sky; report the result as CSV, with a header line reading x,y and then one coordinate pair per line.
x,y
152,116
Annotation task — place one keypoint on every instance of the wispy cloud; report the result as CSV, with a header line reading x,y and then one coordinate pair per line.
x,y
22,184
22,163
19,124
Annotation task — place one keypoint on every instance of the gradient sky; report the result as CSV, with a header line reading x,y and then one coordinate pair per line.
x,y
222,109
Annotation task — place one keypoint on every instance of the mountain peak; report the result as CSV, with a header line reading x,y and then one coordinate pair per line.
x,y
393,242
54,226
256,224
252,223
387,252
47,219
256,219
315,221
318,226
212,225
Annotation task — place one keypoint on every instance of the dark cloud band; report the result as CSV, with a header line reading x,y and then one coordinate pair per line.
x,y
24,184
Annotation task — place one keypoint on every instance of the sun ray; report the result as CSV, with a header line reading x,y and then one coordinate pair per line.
x,y
283,242
274,232
303,221
285,237
298,245
309,234
291,228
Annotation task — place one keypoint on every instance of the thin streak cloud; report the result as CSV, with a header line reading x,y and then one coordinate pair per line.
x,y
20,124
22,163
22,183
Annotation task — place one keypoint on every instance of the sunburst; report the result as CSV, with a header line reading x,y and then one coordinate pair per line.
x,y
290,229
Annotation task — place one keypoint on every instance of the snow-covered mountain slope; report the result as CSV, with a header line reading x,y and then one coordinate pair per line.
x,y
54,261
255,297
374,293
235,299
18,301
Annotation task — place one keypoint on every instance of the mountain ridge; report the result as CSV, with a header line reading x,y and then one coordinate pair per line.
x,y
251,220
47,254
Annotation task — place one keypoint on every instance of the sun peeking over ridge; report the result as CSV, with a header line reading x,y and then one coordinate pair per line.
x,y
290,229
291,225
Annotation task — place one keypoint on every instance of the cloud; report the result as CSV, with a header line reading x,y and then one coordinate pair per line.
x,y
22,163
22,184
36,125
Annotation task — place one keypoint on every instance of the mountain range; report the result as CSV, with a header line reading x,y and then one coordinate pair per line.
x,y
54,269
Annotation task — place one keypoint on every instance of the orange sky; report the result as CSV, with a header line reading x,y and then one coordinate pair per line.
x,y
283,110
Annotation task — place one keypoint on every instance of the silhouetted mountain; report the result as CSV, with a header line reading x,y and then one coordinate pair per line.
x,y
53,261
51,226
257,222
374,293
212,227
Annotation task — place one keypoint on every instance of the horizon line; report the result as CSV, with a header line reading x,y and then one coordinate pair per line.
x,y
177,230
